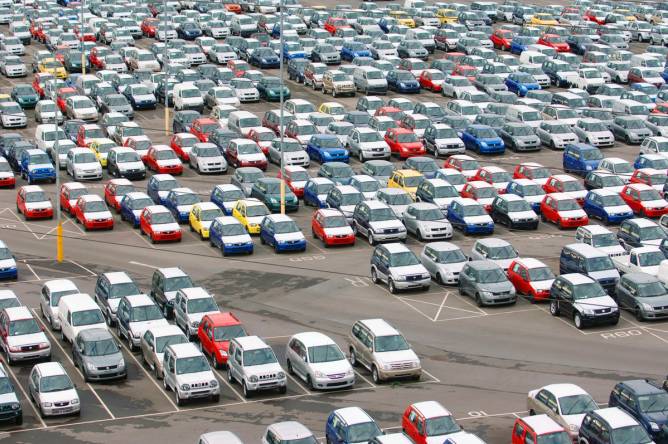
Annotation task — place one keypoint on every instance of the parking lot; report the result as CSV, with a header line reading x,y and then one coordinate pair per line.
x,y
478,362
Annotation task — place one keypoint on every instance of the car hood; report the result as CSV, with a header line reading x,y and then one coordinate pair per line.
x,y
450,141
263,369
287,237
483,219
443,202
98,215
184,208
239,239
252,157
541,285
168,162
529,214
166,227
63,395
334,367
396,356
596,303
8,398
409,270
198,316
576,194
38,205
386,224
572,213
616,189
658,203
434,224
496,286
195,378
618,209
88,166
604,274
104,361
141,327
372,145
21,340
131,165
39,166
338,231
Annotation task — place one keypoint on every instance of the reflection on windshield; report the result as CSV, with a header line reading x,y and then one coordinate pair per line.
x,y
390,343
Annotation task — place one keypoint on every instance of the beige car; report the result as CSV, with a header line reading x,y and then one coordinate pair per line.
x,y
567,404
376,345
337,83
153,344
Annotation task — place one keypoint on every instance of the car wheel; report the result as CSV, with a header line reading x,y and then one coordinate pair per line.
x,y
289,366
418,234
165,311
478,300
178,399
374,276
230,378
554,308
391,286
577,320
532,412
247,393
375,376
309,382
371,240
606,220
353,358
638,314
156,372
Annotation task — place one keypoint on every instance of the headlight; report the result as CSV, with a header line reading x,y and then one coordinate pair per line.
x,y
386,366
573,427
483,144
46,404
185,387
74,401
350,372
588,311
16,406
399,278
90,366
281,375
319,374
654,426
213,383
487,294
647,307
253,378
121,363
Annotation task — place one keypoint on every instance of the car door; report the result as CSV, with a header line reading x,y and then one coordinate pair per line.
x,y
146,347
566,304
366,355
465,280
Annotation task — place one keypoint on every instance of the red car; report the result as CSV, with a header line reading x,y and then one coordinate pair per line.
x,y
295,178
238,67
61,96
660,108
204,126
644,200
89,132
85,36
495,176
91,212
7,178
148,26
390,111
263,137
532,171
334,23
158,223
97,54
69,193
538,428
330,226
32,202
556,41
39,81
182,143
141,144
480,191
245,153
233,7
417,420
432,79
563,183
649,176
467,71
115,190
597,17
404,142
454,56
562,210
466,165
502,39
645,75
163,160
215,332
531,277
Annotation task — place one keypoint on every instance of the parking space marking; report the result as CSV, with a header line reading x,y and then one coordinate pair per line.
x,y
299,383
224,380
317,247
564,321
445,298
664,340
431,376
69,358
481,414
365,379
32,271
143,265
32,404
92,273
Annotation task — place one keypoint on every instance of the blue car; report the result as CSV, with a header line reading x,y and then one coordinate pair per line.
x,y
646,402
607,206
529,190
656,161
664,74
264,58
520,43
315,191
230,236
35,166
132,205
326,148
226,197
469,216
578,43
646,88
9,270
180,201
580,158
296,69
402,81
350,50
520,83
159,186
483,140
293,50
350,425
384,23
188,30
282,233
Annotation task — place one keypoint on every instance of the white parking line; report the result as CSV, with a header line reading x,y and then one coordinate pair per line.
x,y
445,298
431,376
69,358
299,383
365,379
92,273
143,265
37,415
33,271
224,381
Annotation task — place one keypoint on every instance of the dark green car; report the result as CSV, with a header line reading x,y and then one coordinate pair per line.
x,y
25,95
270,89
72,61
268,191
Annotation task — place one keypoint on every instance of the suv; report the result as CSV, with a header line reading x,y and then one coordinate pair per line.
x,y
188,374
11,407
583,299
376,345
135,315
164,285
318,361
349,425
640,232
253,364
109,290
399,267
377,221
190,306
646,402
609,425
21,336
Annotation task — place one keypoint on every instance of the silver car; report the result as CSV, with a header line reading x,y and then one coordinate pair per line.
x,y
206,158
96,352
555,134
288,432
496,250
486,283
398,199
444,261
318,361
153,344
427,221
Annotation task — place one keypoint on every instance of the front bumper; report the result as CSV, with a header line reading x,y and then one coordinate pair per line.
x,y
389,237
106,224
573,223
9,273
334,382
399,374
167,236
499,299
611,318
479,229
291,246
29,355
107,373
46,213
198,394
55,410
340,240
267,385
134,175
407,285
238,249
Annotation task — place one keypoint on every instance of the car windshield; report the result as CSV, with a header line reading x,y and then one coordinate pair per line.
x,y
329,142
87,317
633,434
599,264
192,364
4,167
163,341
651,289
518,206
287,226
201,305
390,343
177,282
589,290
6,386
41,158
484,192
146,313
554,438
405,76
367,186
186,199
445,191
445,133
85,158
260,356
324,353
504,252
123,289
605,239
651,233
128,157
95,206
540,274
232,195
256,211
611,181
634,123
24,327
398,199
290,147
592,155
651,259
430,214
55,383
363,431
492,276
442,425
413,181
649,195
36,196
577,404
228,332
473,210
101,348
658,179
381,214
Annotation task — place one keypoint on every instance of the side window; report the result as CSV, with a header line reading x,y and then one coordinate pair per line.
x,y
528,439
519,430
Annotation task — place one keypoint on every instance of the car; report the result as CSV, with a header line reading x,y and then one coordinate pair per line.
x,y
402,81
566,184
282,233
35,165
268,191
256,358
159,224
562,210
205,158
583,299
650,176
469,216
581,158
215,332
513,211
404,142
295,178
640,232
21,337
114,191
33,203
9,397
486,282
250,213
92,213
316,191
69,193
427,221
135,314
482,139
225,196
201,216
644,296
228,234
531,278
110,288
191,304
521,82
318,373
348,424
93,350
331,226
376,221
326,148
630,129
193,369
644,200
52,389
607,206
125,162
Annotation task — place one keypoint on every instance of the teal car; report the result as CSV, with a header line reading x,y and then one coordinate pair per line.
x,y
268,191
270,89
25,95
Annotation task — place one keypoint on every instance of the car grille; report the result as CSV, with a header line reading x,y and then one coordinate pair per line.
x,y
292,242
5,408
438,230
267,377
109,367
502,293
415,277
199,385
27,348
481,225
391,230
61,404
336,376
401,365
661,308
602,311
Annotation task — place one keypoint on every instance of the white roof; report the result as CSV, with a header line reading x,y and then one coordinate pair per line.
x,y
78,301
493,242
347,189
60,285
222,437
564,177
394,438
595,229
577,278
530,262
228,220
195,293
226,187
18,313
379,327
431,409
72,185
137,195
165,330
7,294
122,180
91,198
32,188
118,277
157,209
320,180
642,222
465,438
493,169
353,415
542,424
467,201
279,217
314,339
290,430
207,206
363,178
616,417
604,192
560,196
616,160
50,368
251,343
172,272
185,350
139,300
647,249
565,389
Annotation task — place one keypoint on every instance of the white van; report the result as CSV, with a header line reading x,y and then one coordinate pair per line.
x,y
243,122
532,58
84,83
188,96
629,107
77,312
524,114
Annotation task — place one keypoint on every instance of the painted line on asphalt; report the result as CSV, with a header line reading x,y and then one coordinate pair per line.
x,y
33,271
92,273
32,404
143,265
227,383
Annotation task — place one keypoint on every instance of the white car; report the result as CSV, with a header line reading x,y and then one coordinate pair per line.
x,y
589,79
188,374
254,366
499,251
444,261
245,90
50,296
601,238
190,306
593,132
221,53
555,134
135,315
206,158
572,404
52,390
318,361
82,164
454,86
81,107
222,95
24,339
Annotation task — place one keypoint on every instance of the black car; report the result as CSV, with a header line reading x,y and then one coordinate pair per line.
x,y
164,285
221,138
15,151
609,426
116,103
6,140
296,69
514,212
183,120
602,179
664,247
568,297
71,128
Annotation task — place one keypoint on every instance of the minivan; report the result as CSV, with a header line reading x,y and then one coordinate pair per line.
x,y
77,312
243,122
524,114
188,96
588,260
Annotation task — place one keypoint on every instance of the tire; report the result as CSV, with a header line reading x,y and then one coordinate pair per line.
x,y
439,279
478,300
179,401
309,383
374,276
283,390
156,372
554,308
230,378
577,320
247,393
289,367
165,385
371,240
418,234
391,286
638,314
353,358
375,375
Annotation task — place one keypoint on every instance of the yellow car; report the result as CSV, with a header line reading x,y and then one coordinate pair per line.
x,y
628,16
334,109
52,66
403,18
6,98
447,16
407,180
101,148
543,19
202,215
250,213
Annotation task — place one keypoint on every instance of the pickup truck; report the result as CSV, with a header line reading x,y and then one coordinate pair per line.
x,y
640,259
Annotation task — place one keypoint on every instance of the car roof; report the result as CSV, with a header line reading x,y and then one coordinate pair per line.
x,y
50,369
195,293
616,417
223,318
172,272
139,300
21,312
530,262
207,206
165,330
431,409
279,217
185,350
95,334
313,338
561,390
31,188
117,277
642,222
493,242
642,386
542,424
220,437
290,430
577,278
380,327
251,342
